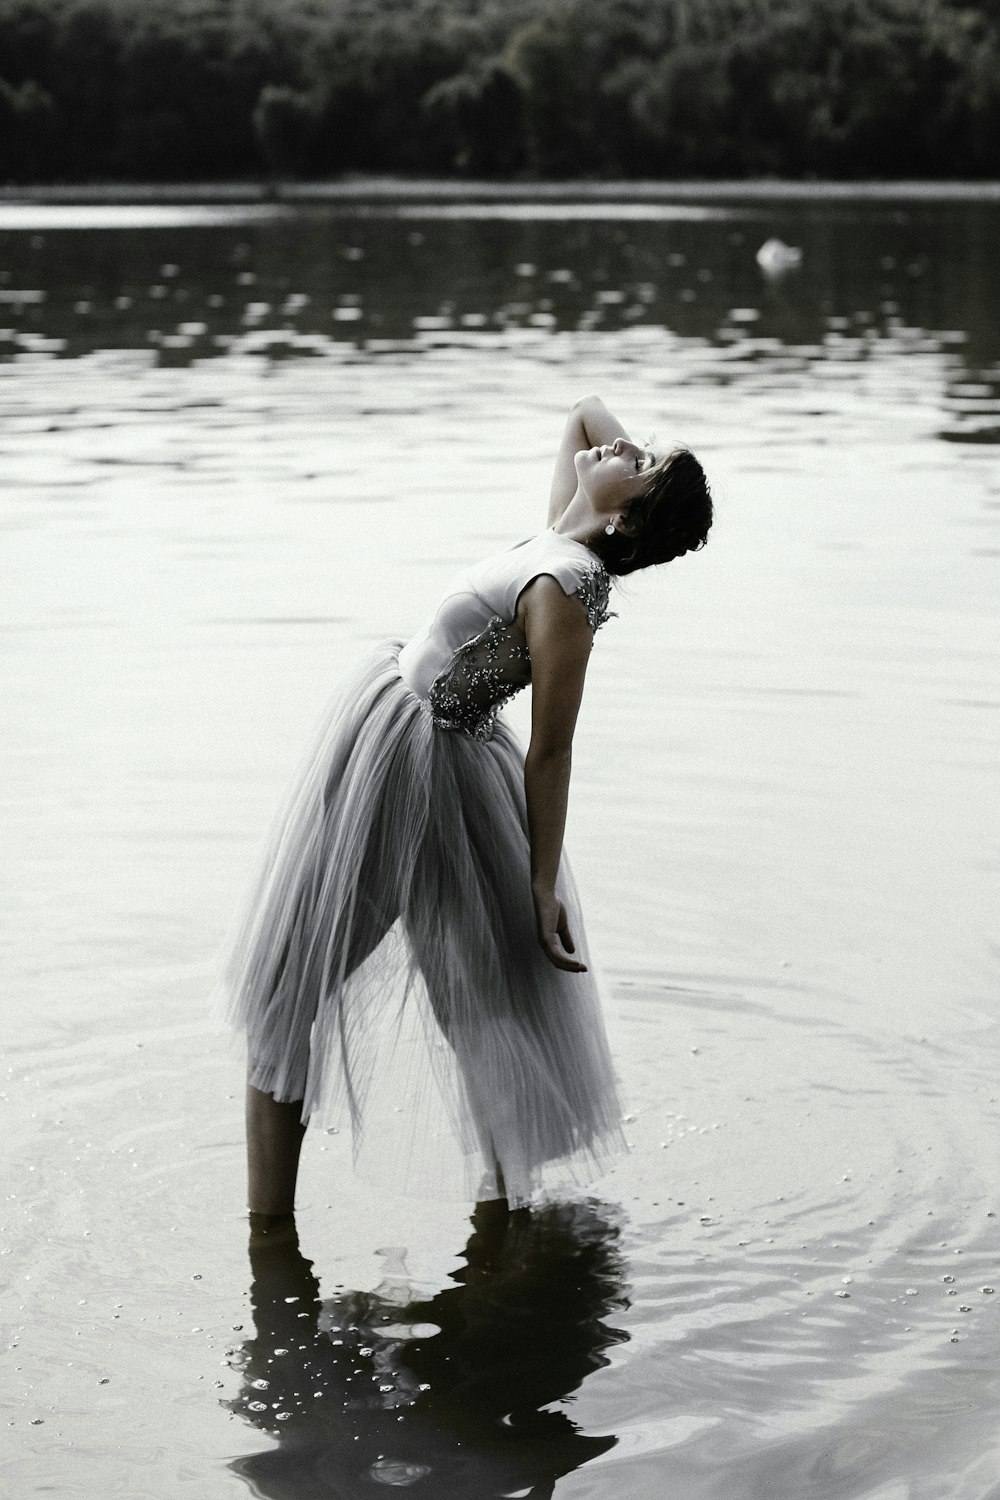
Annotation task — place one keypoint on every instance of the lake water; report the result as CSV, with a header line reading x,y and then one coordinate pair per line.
x,y
240,442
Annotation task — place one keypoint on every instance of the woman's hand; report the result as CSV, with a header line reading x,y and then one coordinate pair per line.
x,y
554,934
588,425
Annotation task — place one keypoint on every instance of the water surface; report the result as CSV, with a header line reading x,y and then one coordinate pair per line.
x,y
239,445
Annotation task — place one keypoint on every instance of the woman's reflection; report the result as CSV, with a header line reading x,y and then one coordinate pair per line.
x,y
447,1395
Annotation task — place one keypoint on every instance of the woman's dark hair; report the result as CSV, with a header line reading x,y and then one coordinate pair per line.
x,y
670,517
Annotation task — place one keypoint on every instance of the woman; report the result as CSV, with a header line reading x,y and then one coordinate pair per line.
x,y
419,860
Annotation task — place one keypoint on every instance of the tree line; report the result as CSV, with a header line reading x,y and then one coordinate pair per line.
x,y
206,90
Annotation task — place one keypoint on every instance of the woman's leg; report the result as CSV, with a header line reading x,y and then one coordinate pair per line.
x,y
274,1129
274,1140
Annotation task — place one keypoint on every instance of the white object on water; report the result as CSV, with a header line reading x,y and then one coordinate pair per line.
x,y
775,257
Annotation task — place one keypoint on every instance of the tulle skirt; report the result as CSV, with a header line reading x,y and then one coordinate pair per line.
x,y
396,882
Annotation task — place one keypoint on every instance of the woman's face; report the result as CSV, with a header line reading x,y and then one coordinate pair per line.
x,y
614,473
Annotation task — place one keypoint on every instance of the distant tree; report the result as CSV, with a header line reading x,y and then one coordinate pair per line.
x,y
848,87
185,111
482,111
284,123
581,65
86,82
553,66
684,107
28,132
27,41
206,88
971,34
375,79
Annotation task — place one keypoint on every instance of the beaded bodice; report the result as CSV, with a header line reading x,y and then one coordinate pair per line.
x,y
482,675
474,657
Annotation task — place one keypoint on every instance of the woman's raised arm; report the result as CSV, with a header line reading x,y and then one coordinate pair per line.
x,y
559,642
588,425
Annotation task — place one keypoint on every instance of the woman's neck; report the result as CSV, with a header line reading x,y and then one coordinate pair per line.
x,y
580,521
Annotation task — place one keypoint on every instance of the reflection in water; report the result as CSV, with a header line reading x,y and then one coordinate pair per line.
x,y
448,1395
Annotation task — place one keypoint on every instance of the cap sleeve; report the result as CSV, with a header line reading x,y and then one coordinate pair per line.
x,y
582,577
593,589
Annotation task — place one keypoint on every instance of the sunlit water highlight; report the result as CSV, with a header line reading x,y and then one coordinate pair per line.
x,y
234,453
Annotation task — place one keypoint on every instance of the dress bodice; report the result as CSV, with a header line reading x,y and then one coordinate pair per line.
x,y
473,656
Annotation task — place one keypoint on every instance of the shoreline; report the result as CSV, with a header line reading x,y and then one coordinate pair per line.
x,y
450,190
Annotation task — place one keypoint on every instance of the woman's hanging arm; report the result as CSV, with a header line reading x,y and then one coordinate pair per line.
x,y
559,641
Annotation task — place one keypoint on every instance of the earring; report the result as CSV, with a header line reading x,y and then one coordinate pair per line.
x,y
609,530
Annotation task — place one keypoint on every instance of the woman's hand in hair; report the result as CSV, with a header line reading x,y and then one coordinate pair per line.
x,y
588,425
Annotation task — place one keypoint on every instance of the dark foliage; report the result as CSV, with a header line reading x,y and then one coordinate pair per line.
x,y
227,88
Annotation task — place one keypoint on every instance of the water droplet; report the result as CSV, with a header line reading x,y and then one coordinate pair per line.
x,y
281,1351
965,1307
843,1294
911,1291
258,1406
846,1280
282,1416
947,1278
260,1385
395,1471
988,1290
